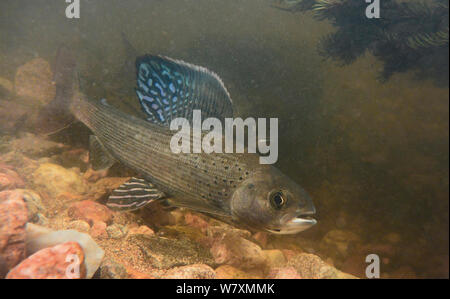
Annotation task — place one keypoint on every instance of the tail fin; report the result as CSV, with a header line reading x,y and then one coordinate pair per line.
x,y
57,115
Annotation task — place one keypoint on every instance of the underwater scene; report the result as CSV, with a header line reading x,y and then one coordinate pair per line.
x,y
224,139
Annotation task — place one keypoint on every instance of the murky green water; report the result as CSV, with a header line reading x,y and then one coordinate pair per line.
x,y
373,155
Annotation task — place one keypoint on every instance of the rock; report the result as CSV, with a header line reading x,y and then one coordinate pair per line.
x,y
9,179
56,180
23,165
165,253
63,261
73,158
34,205
93,176
116,231
40,219
339,243
98,230
236,251
274,258
35,147
34,80
193,220
35,231
141,230
261,238
218,232
157,216
39,237
310,266
79,225
13,219
230,272
197,271
133,274
178,216
288,254
110,269
283,273
90,211
104,186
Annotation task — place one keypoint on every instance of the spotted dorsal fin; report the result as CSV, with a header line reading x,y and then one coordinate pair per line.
x,y
133,195
169,88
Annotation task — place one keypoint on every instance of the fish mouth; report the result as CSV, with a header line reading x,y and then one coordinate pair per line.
x,y
295,225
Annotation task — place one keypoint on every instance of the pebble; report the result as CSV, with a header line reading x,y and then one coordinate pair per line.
x,y
90,211
116,231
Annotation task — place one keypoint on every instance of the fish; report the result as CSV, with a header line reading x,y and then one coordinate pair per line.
x,y
234,188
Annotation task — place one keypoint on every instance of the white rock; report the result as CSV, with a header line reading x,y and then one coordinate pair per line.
x,y
39,237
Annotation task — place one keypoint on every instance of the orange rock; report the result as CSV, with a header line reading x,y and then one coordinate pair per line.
x,y
288,254
133,274
94,175
141,230
9,179
90,211
261,238
98,230
63,261
238,252
195,221
283,273
13,218
311,266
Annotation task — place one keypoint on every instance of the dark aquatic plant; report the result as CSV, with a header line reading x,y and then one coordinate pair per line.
x,y
409,35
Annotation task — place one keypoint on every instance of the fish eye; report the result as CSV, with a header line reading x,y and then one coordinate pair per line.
x,y
278,200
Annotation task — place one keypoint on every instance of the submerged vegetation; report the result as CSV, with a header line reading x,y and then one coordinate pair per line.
x,y
409,35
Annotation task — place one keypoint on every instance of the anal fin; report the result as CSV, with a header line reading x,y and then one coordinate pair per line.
x,y
133,195
99,158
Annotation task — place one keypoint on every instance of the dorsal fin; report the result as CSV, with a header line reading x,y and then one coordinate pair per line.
x,y
169,88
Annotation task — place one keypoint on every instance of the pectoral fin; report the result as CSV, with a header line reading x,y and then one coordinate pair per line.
x,y
133,195
99,158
